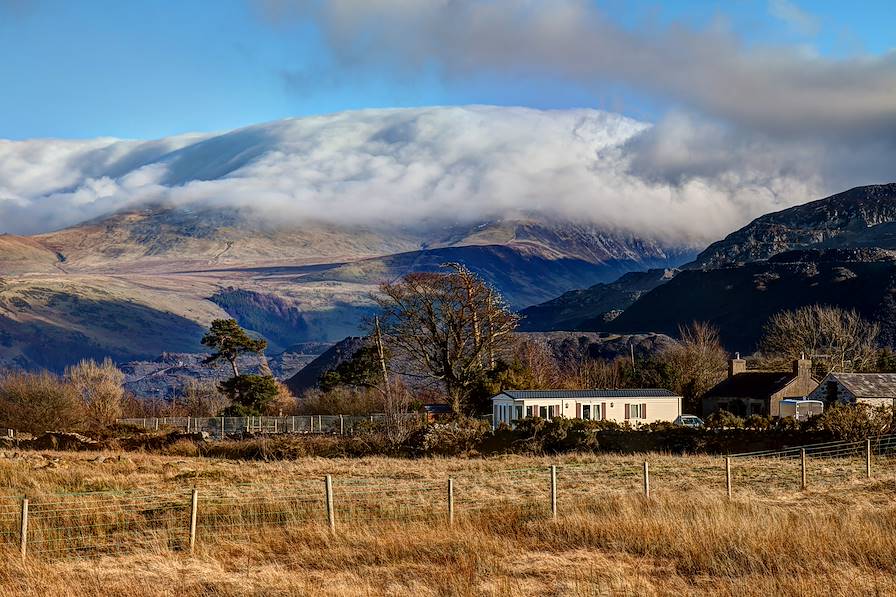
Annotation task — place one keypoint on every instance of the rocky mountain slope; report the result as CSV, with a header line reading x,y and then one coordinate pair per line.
x,y
741,280
860,217
166,377
740,299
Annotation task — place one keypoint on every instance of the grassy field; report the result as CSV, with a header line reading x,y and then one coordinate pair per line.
x,y
118,524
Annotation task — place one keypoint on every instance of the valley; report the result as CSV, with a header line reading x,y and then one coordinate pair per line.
x,y
140,283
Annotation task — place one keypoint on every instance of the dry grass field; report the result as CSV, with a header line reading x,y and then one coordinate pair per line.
x,y
119,525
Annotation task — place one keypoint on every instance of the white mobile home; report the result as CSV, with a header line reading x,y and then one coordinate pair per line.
x,y
637,406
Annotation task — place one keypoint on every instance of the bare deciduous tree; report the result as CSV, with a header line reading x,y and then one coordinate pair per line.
x,y
447,327
835,339
696,362
203,399
100,387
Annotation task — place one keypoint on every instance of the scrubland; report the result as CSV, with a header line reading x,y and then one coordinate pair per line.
x,y
262,526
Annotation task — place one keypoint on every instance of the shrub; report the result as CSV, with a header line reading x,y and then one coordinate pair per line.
x,y
722,419
459,436
557,435
758,422
38,402
853,422
787,424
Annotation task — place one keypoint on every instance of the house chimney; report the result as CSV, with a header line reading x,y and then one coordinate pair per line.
x,y
736,365
802,368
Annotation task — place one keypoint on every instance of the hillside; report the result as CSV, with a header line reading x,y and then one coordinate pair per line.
x,y
162,273
592,307
860,217
740,299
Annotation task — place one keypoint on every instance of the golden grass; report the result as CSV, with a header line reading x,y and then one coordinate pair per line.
x,y
836,538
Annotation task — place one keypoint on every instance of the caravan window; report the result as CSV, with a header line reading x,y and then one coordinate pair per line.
x,y
543,412
586,411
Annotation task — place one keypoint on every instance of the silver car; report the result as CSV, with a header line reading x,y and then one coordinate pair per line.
x,y
688,421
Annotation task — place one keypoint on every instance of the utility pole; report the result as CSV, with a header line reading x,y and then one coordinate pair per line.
x,y
381,354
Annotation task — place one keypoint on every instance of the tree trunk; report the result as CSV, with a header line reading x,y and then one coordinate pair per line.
x,y
236,372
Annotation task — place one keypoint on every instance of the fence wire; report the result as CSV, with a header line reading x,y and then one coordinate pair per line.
x,y
63,525
230,426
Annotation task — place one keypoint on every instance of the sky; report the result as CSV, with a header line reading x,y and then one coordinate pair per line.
x,y
675,121
156,68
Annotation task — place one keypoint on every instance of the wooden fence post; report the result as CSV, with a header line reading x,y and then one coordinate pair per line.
x,y
554,491
341,426
223,426
310,423
868,458
331,513
728,476
23,529
803,468
320,424
450,501
194,510
646,479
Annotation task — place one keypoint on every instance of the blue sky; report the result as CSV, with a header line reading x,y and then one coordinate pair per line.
x,y
150,69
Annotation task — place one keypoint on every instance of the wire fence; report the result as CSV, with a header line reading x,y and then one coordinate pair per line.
x,y
63,525
230,426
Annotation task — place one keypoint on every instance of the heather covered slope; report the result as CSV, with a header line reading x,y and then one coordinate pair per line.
x,y
740,299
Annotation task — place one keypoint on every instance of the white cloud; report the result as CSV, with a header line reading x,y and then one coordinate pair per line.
x,y
421,167
781,91
793,15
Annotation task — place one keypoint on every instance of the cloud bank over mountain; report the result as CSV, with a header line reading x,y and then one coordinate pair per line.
x,y
769,118
407,166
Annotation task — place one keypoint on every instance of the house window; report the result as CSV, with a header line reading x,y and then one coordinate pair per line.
x,y
636,411
543,412
586,411
519,413
529,411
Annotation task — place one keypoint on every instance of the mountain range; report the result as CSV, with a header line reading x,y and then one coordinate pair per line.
x,y
840,250
289,226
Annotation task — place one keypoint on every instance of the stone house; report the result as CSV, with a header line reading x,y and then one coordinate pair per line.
x,y
876,389
756,392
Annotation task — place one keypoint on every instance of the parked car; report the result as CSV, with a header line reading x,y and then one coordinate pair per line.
x,y
688,421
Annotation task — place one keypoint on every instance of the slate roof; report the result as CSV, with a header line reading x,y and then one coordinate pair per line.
x,y
751,384
868,385
570,394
